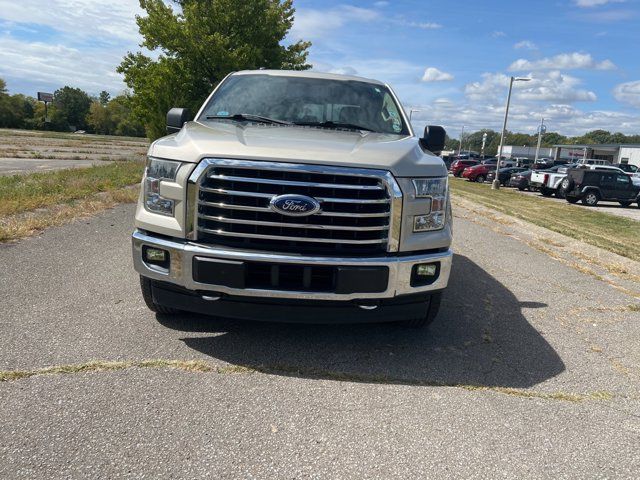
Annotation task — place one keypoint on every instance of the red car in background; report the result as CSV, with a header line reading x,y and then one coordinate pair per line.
x,y
459,165
478,173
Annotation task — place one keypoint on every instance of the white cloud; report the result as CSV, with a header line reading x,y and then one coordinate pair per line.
x,y
594,3
564,61
523,117
425,25
498,34
526,44
544,87
432,74
628,93
108,21
316,24
58,65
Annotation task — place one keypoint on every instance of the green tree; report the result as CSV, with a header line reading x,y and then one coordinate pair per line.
x,y
200,42
125,123
15,110
99,119
595,136
104,97
550,139
71,108
450,143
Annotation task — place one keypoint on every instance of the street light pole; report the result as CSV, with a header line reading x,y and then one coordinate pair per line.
x,y
484,141
541,131
496,182
460,146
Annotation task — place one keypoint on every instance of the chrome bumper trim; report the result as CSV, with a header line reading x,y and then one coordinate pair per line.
x,y
182,253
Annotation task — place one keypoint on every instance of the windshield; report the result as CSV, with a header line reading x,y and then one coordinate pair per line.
x,y
307,101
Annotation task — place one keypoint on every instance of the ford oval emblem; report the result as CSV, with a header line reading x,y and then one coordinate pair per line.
x,y
294,205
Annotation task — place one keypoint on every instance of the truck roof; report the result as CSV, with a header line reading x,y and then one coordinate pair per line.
x,y
309,74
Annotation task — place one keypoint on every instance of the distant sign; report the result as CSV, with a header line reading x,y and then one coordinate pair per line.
x,y
45,97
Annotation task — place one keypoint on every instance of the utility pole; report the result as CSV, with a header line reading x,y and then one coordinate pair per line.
x,y
484,141
460,146
542,129
496,183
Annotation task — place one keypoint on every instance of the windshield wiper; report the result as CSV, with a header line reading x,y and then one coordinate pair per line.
x,y
247,117
330,124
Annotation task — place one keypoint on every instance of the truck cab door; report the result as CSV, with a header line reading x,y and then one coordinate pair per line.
x,y
624,187
609,186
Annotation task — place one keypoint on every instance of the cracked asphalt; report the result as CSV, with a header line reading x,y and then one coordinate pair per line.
x,y
532,369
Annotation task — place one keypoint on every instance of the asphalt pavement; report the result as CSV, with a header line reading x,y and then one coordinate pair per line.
x,y
532,369
14,166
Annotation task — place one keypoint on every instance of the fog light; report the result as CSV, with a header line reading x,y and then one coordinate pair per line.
x,y
426,270
156,258
424,274
156,255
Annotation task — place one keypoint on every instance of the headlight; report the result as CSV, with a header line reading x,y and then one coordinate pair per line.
x,y
158,170
434,189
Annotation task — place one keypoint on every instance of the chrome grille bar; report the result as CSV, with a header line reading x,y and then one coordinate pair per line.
x,y
294,225
229,178
295,239
231,206
238,193
228,205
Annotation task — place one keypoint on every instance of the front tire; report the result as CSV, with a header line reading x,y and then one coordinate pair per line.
x,y
147,295
430,314
480,179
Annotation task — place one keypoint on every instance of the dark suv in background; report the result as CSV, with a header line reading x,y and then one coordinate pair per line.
x,y
592,186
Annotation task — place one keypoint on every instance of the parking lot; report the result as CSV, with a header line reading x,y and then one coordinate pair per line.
x,y
613,208
23,151
520,376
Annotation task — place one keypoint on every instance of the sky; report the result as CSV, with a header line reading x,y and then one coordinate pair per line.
x,y
448,60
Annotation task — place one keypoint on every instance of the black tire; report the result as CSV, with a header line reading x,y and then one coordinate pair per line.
x,y
480,179
145,286
591,198
572,199
430,314
560,192
522,189
546,192
625,204
459,174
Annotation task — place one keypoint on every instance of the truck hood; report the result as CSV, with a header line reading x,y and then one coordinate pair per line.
x,y
401,155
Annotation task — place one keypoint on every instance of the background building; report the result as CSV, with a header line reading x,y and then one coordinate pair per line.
x,y
613,152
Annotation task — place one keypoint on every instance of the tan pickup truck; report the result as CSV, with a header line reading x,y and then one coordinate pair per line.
x,y
295,196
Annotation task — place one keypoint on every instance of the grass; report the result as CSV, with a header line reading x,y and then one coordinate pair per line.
x,y
25,193
31,203
609,232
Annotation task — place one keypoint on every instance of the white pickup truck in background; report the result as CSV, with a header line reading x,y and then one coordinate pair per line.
x,y
547,181
550,181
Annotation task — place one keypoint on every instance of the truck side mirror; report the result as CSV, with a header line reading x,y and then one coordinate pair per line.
x,y
433,139
176,118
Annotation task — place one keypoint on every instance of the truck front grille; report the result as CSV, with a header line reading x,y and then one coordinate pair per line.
x,y
356,208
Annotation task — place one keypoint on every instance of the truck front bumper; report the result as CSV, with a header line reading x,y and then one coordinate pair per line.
x,y
184,256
